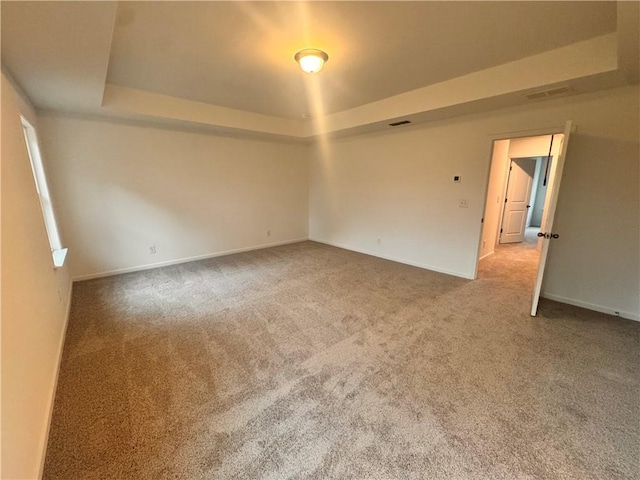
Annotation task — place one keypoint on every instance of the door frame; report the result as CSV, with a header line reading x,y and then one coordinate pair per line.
x,y
491,139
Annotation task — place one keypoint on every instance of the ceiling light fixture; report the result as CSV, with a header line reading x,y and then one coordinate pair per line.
x,y
311,60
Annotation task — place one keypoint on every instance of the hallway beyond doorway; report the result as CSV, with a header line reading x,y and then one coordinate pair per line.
x,y
517,262
531,235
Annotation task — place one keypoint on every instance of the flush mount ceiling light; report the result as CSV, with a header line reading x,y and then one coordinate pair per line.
x,y
311,60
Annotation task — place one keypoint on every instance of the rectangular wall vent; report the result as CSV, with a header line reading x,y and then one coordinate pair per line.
x,y
552,92
401,122
558,91
536,96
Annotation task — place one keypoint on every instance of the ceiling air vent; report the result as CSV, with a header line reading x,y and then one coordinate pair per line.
x,y
552,92
558,91
401,122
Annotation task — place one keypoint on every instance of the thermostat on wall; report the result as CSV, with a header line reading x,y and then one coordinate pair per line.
x,y
457,178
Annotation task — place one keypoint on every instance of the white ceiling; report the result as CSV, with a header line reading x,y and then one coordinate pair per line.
x,y
239,55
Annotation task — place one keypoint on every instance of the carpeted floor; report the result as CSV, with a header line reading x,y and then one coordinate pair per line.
x,y
311,362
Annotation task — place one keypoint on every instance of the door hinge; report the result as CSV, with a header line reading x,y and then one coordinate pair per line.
x,y
500,230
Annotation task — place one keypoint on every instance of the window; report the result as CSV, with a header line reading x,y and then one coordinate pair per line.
x,y
58,253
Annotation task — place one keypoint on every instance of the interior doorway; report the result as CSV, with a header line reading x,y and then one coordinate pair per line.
x,y
524,182
525,196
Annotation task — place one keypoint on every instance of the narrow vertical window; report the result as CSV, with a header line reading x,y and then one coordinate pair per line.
x,y
58,253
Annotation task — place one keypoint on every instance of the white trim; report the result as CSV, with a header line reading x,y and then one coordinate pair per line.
x,y
592,306
536,132
32,145
54,385
485,256
178,261
395,259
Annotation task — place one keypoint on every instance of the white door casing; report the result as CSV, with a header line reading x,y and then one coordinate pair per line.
x,y
519,185
550,203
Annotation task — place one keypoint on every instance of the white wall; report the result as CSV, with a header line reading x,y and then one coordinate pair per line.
x,y
596,261
398,186
495,197
532,146
124,187
34,303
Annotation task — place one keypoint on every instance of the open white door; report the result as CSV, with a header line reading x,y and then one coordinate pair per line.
x,y
516,208
550,203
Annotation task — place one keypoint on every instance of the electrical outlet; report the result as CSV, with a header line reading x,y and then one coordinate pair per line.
x,y
268,233
464,203
379,241
152,249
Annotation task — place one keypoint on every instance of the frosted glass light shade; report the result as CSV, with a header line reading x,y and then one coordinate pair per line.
x,y
311,60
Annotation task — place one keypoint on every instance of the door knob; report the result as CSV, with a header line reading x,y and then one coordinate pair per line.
x,y
555,235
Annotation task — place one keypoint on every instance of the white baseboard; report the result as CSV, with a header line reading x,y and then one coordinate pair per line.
x,y
395,259
54,384
592,306
486,255
178,261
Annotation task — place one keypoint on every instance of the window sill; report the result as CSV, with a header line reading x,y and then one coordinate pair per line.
x,y
59,257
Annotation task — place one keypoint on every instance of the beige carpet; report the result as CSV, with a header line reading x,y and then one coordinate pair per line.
x,y
311,362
